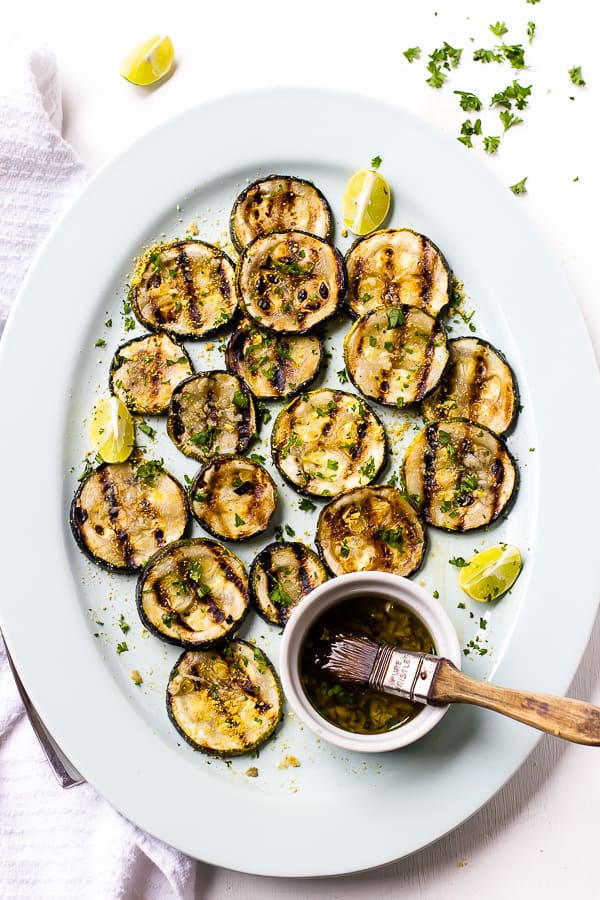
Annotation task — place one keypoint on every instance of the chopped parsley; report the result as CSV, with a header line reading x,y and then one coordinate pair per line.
x,y
342,376
100,343
240,400
307,505
148,471
498,29
394,537
458,561
277,595
123,624
491,143
519,187
122,647
146,429
239,521
508,119
412,53
376,162
576,76
204,439
469,101
395,317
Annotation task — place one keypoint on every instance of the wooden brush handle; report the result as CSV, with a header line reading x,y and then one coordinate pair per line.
x,y
572,720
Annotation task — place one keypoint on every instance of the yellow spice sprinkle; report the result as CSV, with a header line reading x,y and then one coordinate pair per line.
x,y
252,772
288,761
135,676
192,228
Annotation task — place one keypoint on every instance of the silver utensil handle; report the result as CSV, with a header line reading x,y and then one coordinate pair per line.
x,y
64,770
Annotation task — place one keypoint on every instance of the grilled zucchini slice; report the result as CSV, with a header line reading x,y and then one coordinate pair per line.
x,y
327,441
144,371
281,576
273,366
123,513
478,384
371,528
396,354
462,475
211,413
277,203
394,267
193,593
233,498
225,703
290,281
186,288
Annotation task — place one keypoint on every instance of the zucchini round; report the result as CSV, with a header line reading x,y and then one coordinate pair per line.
x,y
277,203
290,281
123,513
371,528
211,413
327,441
396,354
462,475
233,498
273,366
186,288
281,576
478,384
193,593
394,267
225,703
144,371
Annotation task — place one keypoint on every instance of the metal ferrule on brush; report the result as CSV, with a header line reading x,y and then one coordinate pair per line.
x,y
404,673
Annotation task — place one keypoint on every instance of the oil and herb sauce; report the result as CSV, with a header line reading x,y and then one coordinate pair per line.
x,y
356,708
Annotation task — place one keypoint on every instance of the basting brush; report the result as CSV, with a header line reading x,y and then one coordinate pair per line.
x,y
424,678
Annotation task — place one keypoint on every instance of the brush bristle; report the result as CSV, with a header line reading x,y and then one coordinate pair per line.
x,y
351,659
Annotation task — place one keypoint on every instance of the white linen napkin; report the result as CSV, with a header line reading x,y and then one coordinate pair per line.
x,y
54,843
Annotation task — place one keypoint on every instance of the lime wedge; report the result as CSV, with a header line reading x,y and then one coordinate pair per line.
x,y
491,573
366,201
111,430
149,61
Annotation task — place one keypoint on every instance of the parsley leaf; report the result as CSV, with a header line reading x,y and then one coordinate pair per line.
x,y
519,187
576,76
530,31
487,56
469,101
412,53
307,505
514,54
458,561
508,119
376,162
498,29
491,143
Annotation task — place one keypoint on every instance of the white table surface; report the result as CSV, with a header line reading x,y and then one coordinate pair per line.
x,y
538,835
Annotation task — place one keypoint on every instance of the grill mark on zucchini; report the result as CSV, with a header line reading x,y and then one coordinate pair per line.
x,y
190,290
429,481
112,502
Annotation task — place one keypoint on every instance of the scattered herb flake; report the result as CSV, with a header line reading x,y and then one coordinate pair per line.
x,y
100,343
498,29
146,429
122,647
239,521
519,187
469,101
412,53
458,561
376,162
491,143
576,76
123,624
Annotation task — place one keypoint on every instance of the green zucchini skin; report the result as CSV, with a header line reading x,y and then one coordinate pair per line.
x,y
152,365
253,685
233,498
396,355
484,477
275,367
478,384
301,572
211,413
133,534
396,266
269,204
185,288
174,583
328,441
290,282
371,528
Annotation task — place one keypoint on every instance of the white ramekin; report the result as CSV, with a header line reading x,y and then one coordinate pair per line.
x,y
365,584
